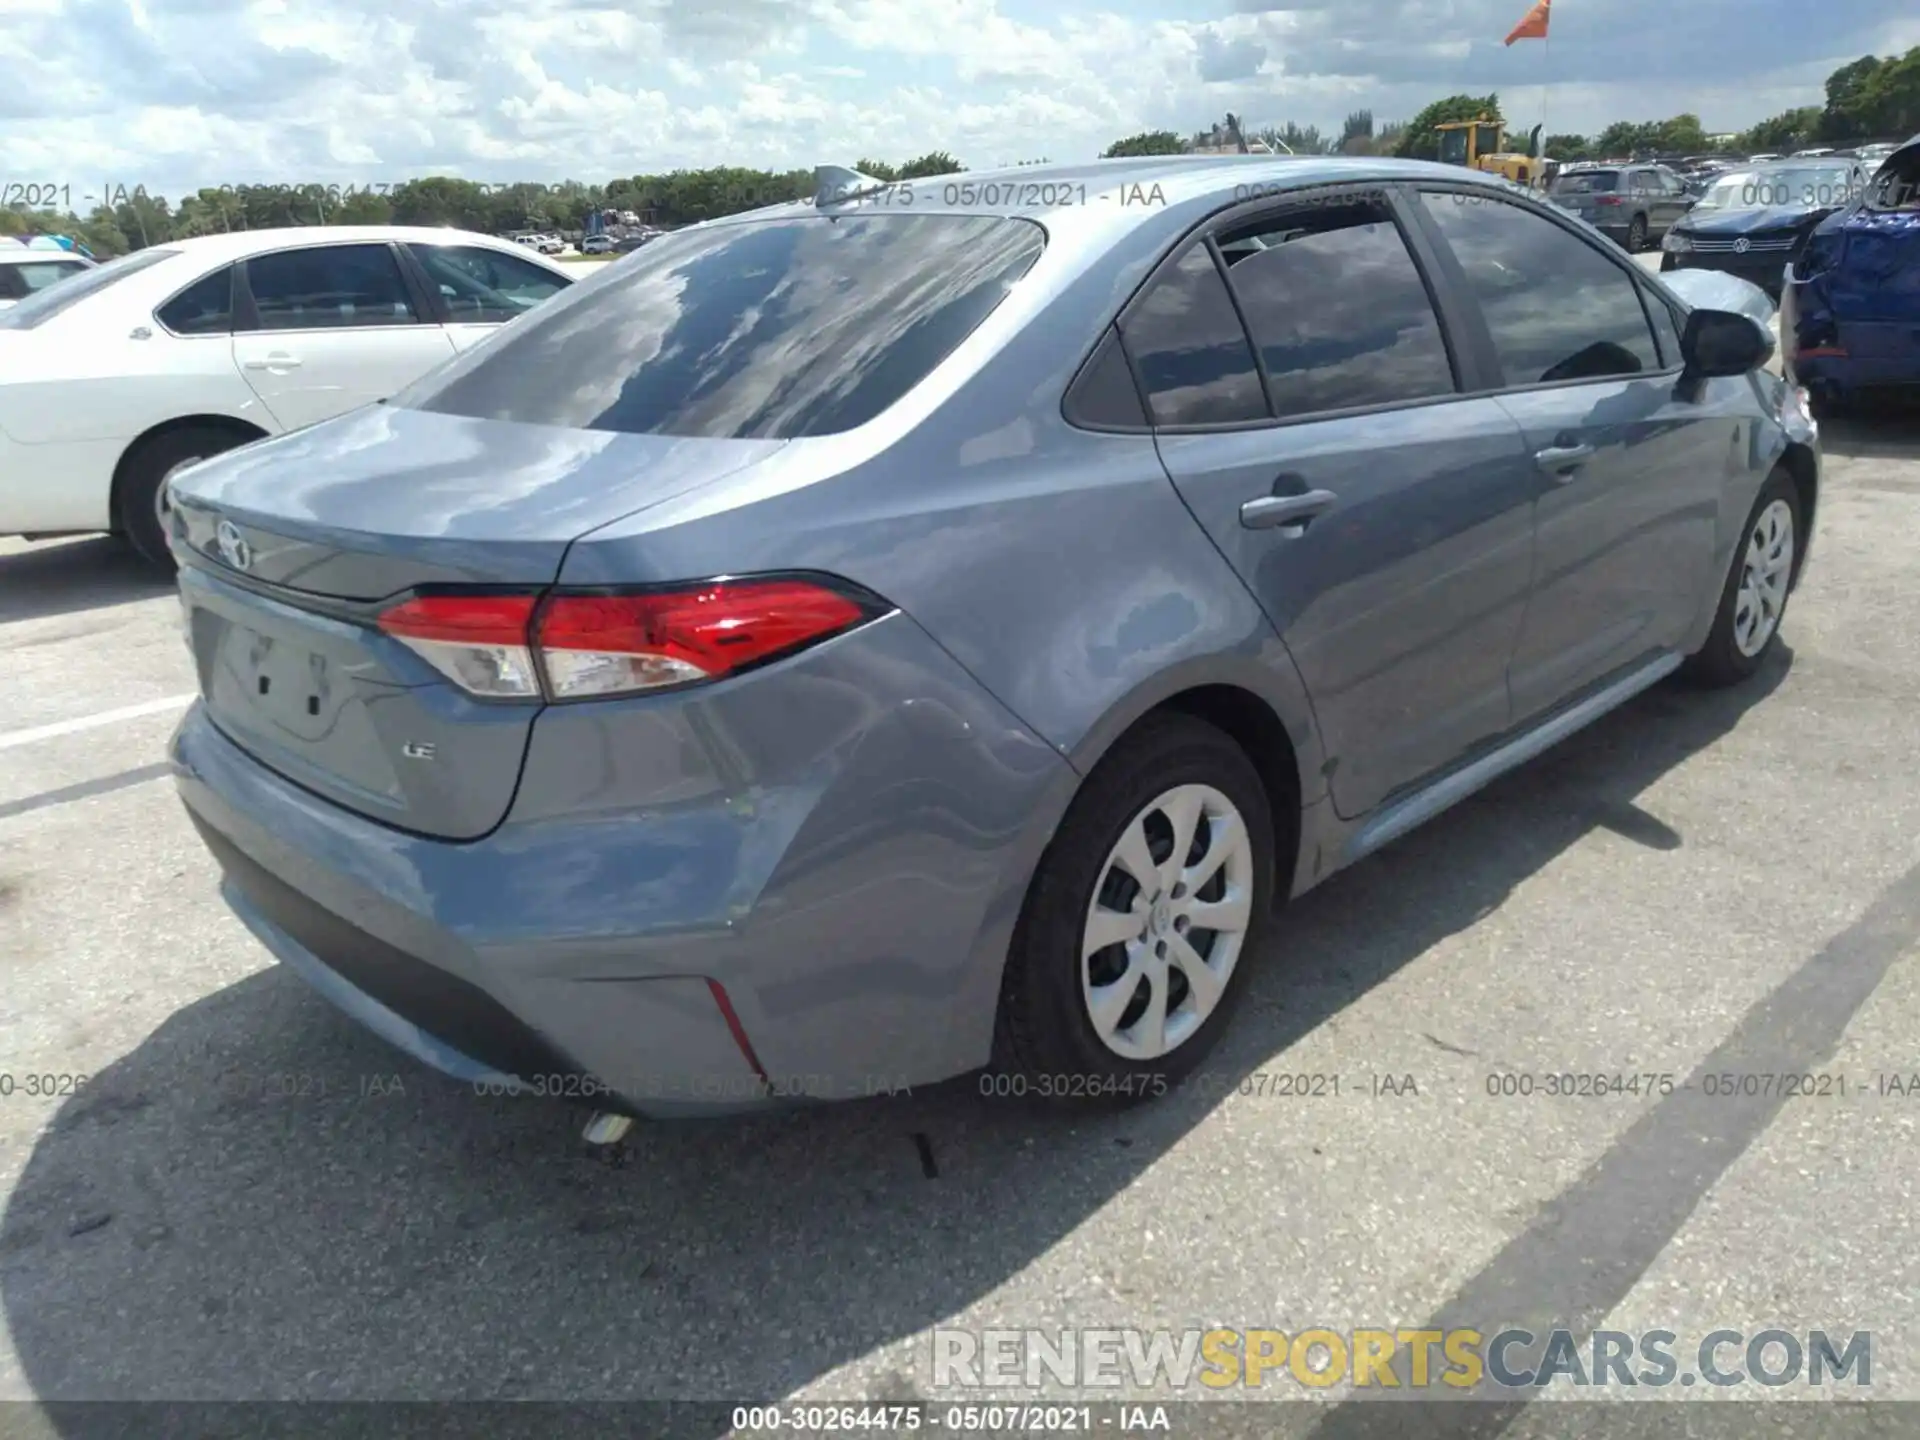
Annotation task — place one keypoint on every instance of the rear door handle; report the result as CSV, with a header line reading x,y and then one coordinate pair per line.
x,y
277,361
1290,511
1560,461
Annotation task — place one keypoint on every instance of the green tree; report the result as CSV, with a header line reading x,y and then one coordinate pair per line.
x,y
1845,115
1890,97
1683,135
1567,147
1147,142
1421,141
879,169
1789,130
938,162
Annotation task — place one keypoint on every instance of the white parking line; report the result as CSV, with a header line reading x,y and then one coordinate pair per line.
x,y
11,738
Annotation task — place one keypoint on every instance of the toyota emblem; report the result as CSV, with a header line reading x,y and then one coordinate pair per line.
x,y
233,546
1742,245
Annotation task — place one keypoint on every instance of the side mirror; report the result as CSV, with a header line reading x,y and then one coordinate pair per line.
x,y
1722,342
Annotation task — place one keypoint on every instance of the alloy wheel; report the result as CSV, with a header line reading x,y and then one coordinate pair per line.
x,y
1167,922
1766,569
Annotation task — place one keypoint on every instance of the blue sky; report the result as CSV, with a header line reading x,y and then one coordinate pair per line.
x,y
176,93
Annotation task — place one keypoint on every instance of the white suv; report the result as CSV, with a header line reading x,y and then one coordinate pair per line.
x,y
121,375
25,269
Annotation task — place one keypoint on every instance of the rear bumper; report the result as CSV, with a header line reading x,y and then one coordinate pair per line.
x,y
853,911
1826,353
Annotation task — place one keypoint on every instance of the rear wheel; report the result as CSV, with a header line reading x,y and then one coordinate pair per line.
x,y
1637,235
142,508
1133,947
1753,601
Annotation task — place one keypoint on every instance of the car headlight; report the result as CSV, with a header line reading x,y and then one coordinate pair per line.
x,y
1676,243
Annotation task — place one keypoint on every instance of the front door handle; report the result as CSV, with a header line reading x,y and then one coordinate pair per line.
x,y
1560,461
277,362
1289,511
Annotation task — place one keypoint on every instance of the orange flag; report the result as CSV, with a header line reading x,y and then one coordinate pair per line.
x,y
1534,26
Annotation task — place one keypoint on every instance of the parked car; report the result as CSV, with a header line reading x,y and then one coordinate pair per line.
x,y
1751,222
1850,310
626,244
1089,578
1633,205
26,269
597,245
117,377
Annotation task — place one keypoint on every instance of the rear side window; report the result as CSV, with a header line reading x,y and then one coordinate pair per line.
x,y
1104,396
327,287
203,308
1191,350
771,330
1558,309
42,305
39,274
1337,309
482,286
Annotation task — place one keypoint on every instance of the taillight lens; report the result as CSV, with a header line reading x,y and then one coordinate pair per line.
x,y
477,641
619,643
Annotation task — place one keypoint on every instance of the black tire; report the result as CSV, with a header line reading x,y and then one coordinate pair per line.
x,y
1668,264
1637,235
1721,662
1046,1047
149,464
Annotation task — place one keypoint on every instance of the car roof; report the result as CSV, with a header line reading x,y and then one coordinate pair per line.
x,y
1118,195
26,255
239,244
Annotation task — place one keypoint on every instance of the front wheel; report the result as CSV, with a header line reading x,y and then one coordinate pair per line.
x,y
1753,601
1135,941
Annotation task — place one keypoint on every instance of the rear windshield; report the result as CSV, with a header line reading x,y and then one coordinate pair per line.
x,y
774,329
1588,182
43,305
39,274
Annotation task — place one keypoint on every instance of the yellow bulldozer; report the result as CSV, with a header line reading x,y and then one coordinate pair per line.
x,y
1481,144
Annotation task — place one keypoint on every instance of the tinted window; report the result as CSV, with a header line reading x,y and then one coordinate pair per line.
x,y
329,286
1666,329
39,274
1105,397
485,286
1338,311
1559,310
43,305
203,308
776,329
1588,182
1191,350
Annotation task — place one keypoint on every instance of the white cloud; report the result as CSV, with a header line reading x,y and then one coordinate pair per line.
x,y
179,93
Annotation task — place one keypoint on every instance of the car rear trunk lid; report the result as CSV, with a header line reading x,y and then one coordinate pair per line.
x,y
292,547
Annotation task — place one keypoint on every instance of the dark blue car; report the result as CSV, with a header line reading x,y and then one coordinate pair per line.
x,y
1850,311
1752,221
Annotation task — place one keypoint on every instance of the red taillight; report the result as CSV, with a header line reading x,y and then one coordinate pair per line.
x,y
477,641
1608,200
610,644
618,643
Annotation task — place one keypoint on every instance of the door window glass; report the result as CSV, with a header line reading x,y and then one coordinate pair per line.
x,y
1558,309
1191,350
330,287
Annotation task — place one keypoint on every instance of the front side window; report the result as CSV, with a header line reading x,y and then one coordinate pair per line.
x,y
43,305
329,287
1337,309
768,330
203,308
485,287
1558,309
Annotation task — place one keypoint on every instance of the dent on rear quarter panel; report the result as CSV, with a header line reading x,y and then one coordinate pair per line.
x,y
840,839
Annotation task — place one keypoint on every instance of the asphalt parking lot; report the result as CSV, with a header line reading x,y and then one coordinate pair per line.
x,y
250,1198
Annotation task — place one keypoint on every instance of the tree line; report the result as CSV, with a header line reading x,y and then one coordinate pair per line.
x,y
1869,98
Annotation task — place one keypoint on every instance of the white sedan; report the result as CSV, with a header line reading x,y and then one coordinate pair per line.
x,y
25,269
121,375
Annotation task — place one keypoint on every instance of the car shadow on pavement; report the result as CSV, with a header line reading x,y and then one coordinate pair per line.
x,y
1884,428
261,1201
68,576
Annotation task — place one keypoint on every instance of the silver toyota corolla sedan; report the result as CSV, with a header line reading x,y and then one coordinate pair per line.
x,y
934,627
